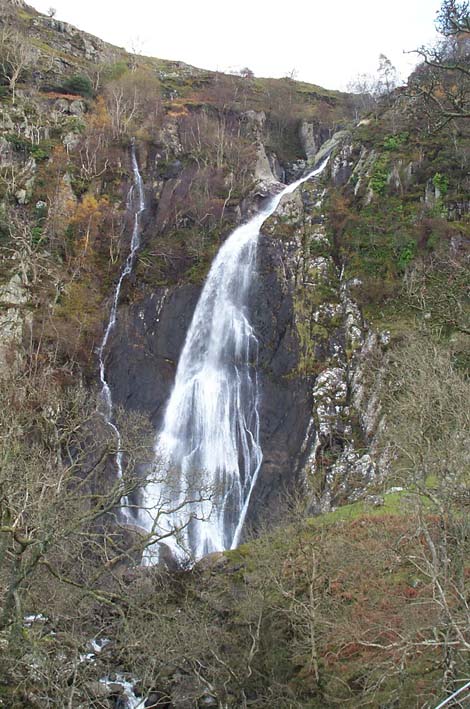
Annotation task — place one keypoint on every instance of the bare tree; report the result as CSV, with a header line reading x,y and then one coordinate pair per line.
x,y
437,288
370,88
428,421
439,90
363,88
453,17
387,76
133,102
16,55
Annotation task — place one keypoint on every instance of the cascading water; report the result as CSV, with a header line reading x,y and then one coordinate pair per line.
x,y
208,453
106,396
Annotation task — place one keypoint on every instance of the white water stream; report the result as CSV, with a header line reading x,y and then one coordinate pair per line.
x,y
208,452
136,192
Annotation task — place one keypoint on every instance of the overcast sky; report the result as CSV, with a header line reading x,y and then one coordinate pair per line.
x,y
326,42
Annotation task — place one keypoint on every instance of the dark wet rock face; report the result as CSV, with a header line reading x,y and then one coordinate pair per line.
x,y
146,346
285,404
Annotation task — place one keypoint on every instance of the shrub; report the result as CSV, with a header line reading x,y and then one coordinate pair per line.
x,y
393,142
406,255
378,180
115,71
441,183
25,146
19,143
79,84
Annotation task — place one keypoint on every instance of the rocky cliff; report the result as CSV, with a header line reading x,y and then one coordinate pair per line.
x,y
315,414
353,590
210,149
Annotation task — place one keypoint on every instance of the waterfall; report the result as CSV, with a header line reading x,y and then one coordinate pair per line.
x,y
208,453
106,396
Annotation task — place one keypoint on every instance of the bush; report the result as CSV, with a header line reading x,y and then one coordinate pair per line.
x,y
79,84
379,178
115,71
393,142
19,143
406,255
441,183
24,145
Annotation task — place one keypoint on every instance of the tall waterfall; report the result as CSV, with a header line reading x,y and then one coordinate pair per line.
x,y
136,193
208,453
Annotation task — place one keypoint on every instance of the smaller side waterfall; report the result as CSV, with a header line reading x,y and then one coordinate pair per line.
x,y
136,192
208,452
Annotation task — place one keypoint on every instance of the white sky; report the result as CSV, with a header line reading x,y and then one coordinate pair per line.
x,y
327,42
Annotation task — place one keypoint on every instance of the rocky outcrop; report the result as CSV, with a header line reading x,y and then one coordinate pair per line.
x,y
14,298
75,43
264,176
312,136
318,412
268,172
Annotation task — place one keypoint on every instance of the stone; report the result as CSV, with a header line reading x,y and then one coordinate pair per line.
x,y
157,700
328,146
276,168
290,207
394,178
70,141
374,500
62,105
263,172
295,170
144,351
7,121
256,119
341,164
5,152
13,298
167,559
77,108
21,196
98,690
308,139
312,136
173,170
115,688
385,338
431,194
213,562
170,138
89,48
